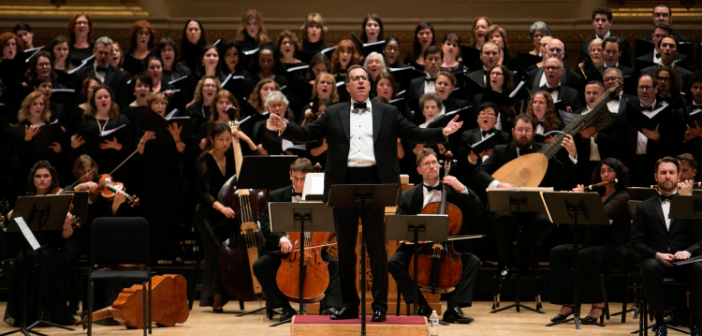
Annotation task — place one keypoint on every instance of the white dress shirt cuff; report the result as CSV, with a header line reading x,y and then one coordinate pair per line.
x,y
493,184
465,192
574,159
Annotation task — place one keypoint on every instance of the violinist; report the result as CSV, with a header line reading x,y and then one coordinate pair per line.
x,y
42,181
266,267
608,247
411,203
214,167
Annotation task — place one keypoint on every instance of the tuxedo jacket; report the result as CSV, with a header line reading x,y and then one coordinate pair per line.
x,y
273,238
626,71
680,38
115,78
569,79
468,138
647,60
416,88
610,141
650,235
502,154
685,75
388,125
412,201
671,128
625,59
567,97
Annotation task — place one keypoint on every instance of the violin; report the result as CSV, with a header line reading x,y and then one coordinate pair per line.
x,y
108,188
439,266
75,221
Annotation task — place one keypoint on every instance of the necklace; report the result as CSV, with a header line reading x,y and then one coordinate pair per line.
x,y
101,128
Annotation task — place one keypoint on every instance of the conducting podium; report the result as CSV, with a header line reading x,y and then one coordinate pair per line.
x,y
517,200
578,209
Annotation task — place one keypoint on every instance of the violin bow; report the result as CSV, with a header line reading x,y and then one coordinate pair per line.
x,y
70,187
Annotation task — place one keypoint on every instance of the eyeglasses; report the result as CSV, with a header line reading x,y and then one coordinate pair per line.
x,y
607,171
286,43
392,49
275,106
357,79
325,82
486,114
664,79
81,23
496,74
552,68
645,87
611,79
144,33
209,86
524,130
430,163
231,55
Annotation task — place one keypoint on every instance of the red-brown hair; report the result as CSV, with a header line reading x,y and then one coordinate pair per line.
x,y
138,26
72,26
5,37
344,45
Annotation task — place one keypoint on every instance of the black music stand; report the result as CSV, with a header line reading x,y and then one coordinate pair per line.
x,y
80,205
578,209
302,217
43,213
516,201
416,228
358,196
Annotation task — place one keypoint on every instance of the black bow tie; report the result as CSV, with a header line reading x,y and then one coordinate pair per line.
x,y
295,193
488,132
657,55
361,106
99,69
669,197
430,188
485,72
540,123
649,109
617,97
429,79
550,90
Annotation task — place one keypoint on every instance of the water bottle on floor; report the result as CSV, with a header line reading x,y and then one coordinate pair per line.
x,y
434,324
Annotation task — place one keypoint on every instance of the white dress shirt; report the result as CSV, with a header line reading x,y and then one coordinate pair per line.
x,y
435,195
656,57
613,105
554,94
665,205
594,149
641,139
361,151
99,74
429,87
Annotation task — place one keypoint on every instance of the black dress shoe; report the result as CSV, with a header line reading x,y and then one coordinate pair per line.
x,y
424,311
662,330
455,314
329,311
287,313
345,314
590,319
560,317
378,316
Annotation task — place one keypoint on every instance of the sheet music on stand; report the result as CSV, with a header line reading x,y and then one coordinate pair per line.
x,y
27,233
691,260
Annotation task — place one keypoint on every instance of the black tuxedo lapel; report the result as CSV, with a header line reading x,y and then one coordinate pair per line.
x,y
345,115
537,78
417,202
622,103
659,210
377,119
287,194
420,89
109,74
479,135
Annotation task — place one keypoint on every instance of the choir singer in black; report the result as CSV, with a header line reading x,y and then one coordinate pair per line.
x,y
362,150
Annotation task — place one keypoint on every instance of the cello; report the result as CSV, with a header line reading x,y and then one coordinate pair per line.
x,y
245,242
439,266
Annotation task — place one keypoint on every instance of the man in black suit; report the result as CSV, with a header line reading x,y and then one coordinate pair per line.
x,y
101,68
489,56
618,104
659,240
411,203
536,225
602,21
612,52
537,77
693,135
662,14
433,57
266,266
655,57
564,97
668,47
362,149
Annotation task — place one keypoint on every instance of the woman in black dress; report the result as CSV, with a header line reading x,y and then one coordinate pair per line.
x,y
313,33
423,37
542,108
324,88
142,41
250,35
81,39
372,29
267,68
608,247
233,75
154,68
53,287
192,43
214,167
498,35
200,109
499,81
167,51
62,60
344,56
269,143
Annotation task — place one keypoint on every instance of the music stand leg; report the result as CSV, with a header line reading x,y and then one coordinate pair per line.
x,y
301,256
251,312
363,272
416,272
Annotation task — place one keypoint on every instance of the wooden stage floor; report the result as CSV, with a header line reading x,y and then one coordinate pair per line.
x,y
203,322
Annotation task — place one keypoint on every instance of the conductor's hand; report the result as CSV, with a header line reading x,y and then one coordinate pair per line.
x,y
453,181
685,187
275,123
569,145
285,245
682,255
453,126
665,258
228,212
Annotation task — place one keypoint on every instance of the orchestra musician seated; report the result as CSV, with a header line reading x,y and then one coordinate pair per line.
x,y
411,203
266,266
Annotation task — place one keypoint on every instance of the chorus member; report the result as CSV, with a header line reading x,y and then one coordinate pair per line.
x,y
660,30
661,13
374,65
670,87
258,97
101,68
543,48
35,116
391,53
568,97
214,167
117,58
80,37
595,61
10,65
506,224
425,84
423,38
55,269
24,31
668,48
412,201
693,134
154,68
659,240
688,166
102,115
313,34
142,41
266,266
252,34
451,47
41,65
192,43
387,89
86,90
445,83
537,31
500,81
498,35
324,88
43,85
605,248
489,57
266,68
344,56
200,109
168,53
480,26
287,45
372,29
62,59
318,63
269,143
142,91
367,164
542,108
602,22
233,76
537,77
612,49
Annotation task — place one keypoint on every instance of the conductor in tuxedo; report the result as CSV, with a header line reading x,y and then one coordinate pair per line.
x,y
506,224
411,203
362,149
266,267
101,68
659,240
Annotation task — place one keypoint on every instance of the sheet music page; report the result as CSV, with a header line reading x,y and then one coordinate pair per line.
x,y
27,233
314,185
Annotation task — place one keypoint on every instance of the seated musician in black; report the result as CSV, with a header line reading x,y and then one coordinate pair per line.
x,y
607,247
659,240
411,203
536,225
266,267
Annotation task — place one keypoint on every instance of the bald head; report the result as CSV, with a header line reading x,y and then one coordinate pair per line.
x,y
556,48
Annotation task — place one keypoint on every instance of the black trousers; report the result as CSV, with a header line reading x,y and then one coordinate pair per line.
x,y
653,272
265,269
399,263
346,225
212,237
506,226
591,261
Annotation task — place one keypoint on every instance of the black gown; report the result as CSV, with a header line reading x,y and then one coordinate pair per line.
x,y
107,159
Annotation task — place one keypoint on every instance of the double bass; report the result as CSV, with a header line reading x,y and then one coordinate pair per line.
x,y
245,242
439,266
